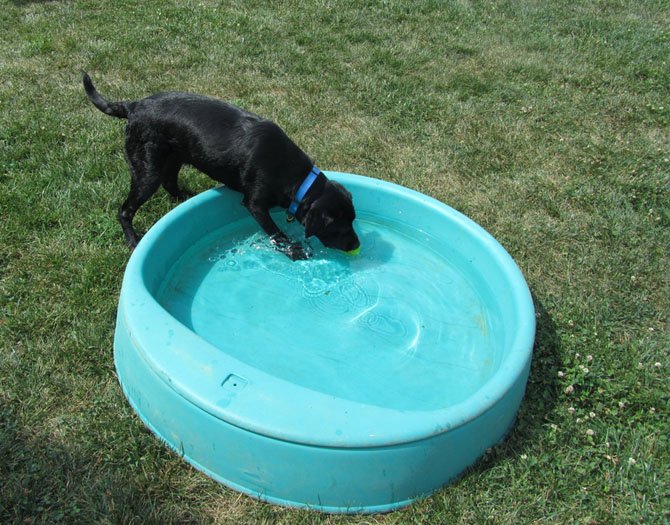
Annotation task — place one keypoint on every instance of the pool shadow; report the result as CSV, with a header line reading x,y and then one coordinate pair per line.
x,y
543,389
383,249
542,394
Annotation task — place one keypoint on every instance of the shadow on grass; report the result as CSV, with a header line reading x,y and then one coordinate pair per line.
x,y
543,387
22,3
44,481
542,393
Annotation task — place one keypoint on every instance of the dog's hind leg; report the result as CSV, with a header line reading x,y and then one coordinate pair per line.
x,y
145,178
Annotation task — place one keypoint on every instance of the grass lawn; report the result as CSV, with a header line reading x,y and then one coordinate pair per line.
x,y
545,122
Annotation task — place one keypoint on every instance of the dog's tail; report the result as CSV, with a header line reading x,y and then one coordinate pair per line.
x,y
114,109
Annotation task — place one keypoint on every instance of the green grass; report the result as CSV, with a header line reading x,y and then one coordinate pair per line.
x,y
546,122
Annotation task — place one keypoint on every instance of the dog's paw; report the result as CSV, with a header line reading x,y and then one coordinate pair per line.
x,y
293,250
296,252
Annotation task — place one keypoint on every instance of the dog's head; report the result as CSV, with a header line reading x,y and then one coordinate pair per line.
x,y
330,218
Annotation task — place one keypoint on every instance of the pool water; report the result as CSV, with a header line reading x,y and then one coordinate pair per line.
x,y
401,325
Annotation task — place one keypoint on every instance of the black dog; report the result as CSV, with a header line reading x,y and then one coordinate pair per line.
x,y
243,151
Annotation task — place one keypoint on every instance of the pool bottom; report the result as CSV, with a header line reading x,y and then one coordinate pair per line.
x,y
370,328
328,479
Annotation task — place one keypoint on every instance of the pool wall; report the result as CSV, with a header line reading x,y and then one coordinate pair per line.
x,y
330,479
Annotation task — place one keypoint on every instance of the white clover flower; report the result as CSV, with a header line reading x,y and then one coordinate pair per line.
x,y
572,410
569,389
657,364
592,415
590,432
631,462
561,374
589,358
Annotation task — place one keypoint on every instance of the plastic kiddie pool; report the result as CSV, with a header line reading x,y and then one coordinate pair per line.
x,y
344,384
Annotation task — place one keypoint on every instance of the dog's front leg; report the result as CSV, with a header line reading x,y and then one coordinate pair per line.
x,y
278,238
293,250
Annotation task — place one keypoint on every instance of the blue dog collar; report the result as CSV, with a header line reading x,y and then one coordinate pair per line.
x,y
303,189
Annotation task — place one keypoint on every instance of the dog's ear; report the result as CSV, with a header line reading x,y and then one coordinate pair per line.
x,y
315,221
